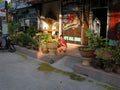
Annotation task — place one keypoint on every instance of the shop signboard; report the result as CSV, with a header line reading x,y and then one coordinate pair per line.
x,y
71,20
4,27
3,9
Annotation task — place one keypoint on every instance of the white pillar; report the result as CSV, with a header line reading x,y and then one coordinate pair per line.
x,y
60,19
108,21
60,24
90,20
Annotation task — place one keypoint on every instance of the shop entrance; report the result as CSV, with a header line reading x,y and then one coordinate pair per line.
x,y
101,15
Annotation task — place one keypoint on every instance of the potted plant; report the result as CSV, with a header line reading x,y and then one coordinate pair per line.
x,y
117,60
48,44
104,59
43,42
87,51
19,38
52,44
94,42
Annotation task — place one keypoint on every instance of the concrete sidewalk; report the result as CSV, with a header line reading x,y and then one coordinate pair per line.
x,y
71,63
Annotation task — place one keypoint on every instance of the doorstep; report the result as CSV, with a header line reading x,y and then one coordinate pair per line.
x,y
99,75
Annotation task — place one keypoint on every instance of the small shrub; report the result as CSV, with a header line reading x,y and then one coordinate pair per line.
x,y
117,55
23,38
95,41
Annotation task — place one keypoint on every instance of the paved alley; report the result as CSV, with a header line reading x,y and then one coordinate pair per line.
x,y
19,72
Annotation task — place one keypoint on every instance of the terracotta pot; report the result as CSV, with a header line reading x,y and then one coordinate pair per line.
x,y
52,45
43,48
52,51
87,53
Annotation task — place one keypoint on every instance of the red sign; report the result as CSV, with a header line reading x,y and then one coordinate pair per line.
x,y
114,19
2,10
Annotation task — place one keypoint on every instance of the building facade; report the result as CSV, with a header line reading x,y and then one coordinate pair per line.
x,y
74,16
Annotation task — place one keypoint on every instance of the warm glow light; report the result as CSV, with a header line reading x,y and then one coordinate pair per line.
x,y
44,25
54,27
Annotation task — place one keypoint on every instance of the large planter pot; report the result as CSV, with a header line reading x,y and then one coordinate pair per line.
x,y
44,48
52,47
87,53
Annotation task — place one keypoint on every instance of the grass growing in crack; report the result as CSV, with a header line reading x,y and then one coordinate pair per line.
x,y
47,68
22,55
107,87
90,81
77,77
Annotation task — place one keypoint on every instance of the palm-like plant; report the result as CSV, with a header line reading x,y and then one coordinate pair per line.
x,y
95,41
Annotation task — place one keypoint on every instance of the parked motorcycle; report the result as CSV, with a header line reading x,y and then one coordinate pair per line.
x,y
7,44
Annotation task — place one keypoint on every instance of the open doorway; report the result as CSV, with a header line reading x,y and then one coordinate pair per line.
x,y
101,15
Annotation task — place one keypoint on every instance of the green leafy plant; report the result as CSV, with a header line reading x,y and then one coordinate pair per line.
x,y
19,36
95,41
117,55
36,43
23,38
104,58
31,31
104,53
43,38
12,27
27,39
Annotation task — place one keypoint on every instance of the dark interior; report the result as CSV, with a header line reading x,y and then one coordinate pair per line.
x,y
101,14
